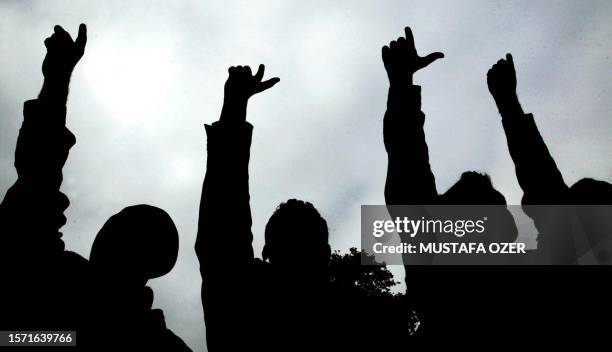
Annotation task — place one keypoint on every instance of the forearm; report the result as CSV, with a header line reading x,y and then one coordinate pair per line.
x,y
55,91
509,106
44,141
409,176
224,232
536,170
32,210
224,239
409,181
43,144
233,110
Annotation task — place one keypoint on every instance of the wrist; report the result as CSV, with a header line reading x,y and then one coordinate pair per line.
x,y
509,105
55,89
234,102
233,110
57,77
401,82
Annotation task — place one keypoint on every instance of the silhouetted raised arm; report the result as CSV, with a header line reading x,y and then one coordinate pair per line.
x,y
536,171
409,176
32,210
410,180
223,244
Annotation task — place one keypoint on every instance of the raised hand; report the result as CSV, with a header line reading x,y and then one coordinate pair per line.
x,y
63,53
402,61
242,84
501,79
239,87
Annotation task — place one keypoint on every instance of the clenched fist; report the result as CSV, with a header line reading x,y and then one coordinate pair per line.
x,y
501,79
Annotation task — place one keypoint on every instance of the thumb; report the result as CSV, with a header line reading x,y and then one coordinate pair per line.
x,y
510,59
266,84
81,39
425,61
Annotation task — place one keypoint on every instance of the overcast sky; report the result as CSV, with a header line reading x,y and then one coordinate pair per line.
x,y
153,73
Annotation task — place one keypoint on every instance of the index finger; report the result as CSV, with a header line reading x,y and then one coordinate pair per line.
x,y
260,72
409,37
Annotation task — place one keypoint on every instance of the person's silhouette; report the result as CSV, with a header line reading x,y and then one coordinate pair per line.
x,y
567,292
410,181
284,300
46,286
54,289
137,244
541,180
223,244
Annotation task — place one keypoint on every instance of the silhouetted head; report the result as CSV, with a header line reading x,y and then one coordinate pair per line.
x,y
593,200
296,236
137,244
473,188
476,189
591,192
